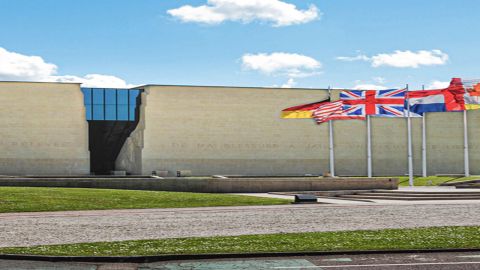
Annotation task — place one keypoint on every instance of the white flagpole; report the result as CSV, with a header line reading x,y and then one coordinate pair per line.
x,y
332,154
465,144
369,147
409,130
424,142
330,137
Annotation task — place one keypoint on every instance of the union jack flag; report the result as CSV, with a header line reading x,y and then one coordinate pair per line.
x,y
386,103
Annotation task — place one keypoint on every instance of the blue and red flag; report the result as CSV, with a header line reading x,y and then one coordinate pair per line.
x,y
426,101
450,99
386,103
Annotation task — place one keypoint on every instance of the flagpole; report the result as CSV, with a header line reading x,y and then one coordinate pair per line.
x,y
465,144
330,137
409,131
424,142
369,147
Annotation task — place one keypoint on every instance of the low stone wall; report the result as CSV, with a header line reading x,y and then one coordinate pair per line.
x,y
209,185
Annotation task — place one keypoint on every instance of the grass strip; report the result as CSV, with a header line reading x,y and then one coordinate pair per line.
x,y
35,199
433,180
391,239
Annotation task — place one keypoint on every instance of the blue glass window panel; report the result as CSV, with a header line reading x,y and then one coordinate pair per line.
x,y
98,112
97,96
122,112
110,97
110,112
110,104
122,97
133,96
87,95
132,113
88,109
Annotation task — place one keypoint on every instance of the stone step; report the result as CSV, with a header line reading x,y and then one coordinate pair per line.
x,y
471,185
453,183
421,192
452,194
335,193
409,198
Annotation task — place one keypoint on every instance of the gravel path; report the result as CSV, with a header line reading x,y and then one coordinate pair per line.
x,y
28,229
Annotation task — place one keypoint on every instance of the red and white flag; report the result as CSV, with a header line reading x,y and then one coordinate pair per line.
x,y
333,111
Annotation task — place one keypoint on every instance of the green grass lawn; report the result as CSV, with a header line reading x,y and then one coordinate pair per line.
x,y
393,239
433,180
33,199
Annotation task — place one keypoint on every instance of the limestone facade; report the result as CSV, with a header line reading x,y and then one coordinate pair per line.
x,y
43,129
238,131
219,130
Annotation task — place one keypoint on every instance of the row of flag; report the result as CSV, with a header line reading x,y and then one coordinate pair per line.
x,y
460,95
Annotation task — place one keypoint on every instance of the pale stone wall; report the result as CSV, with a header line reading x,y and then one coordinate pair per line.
x,y
215,130
445,143
43,129
474,140
221,130
130,157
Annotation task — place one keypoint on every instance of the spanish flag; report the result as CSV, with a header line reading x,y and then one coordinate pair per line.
x,y
465,92
302,111
472,95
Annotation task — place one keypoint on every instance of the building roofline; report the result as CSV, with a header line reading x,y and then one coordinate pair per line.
x,y
185,85
224,86
39,82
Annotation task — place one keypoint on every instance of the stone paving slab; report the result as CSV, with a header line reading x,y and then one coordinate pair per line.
x,y
346,201
424,261
36,265
231,265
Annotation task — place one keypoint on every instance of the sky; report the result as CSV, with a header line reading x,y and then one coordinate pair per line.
x,y
368,44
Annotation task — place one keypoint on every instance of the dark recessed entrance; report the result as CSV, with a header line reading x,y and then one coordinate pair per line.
x,y
112,114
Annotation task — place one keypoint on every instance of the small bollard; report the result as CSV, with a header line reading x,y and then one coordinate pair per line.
x,y
305,198
327,174
184,173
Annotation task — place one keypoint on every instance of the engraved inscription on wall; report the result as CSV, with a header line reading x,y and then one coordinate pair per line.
x,y
243,146
36,144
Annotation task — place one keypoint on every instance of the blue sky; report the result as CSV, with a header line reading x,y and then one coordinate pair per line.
x,y
140,41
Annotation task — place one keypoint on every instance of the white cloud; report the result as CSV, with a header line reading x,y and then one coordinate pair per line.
x,y
276,12
360,57
379,80
405,59
19,67
94,80
289,84
287,64
369,87
438,85
15,66
402,59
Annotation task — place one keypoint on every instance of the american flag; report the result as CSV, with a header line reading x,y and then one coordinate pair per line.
x,y
387,103
333,111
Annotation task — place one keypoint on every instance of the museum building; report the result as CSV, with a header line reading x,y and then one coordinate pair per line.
x,y
63,129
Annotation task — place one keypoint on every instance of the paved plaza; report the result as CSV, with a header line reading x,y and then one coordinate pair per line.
x,y
30,229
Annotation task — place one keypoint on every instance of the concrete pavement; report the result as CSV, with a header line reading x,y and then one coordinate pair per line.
x,y
29,229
